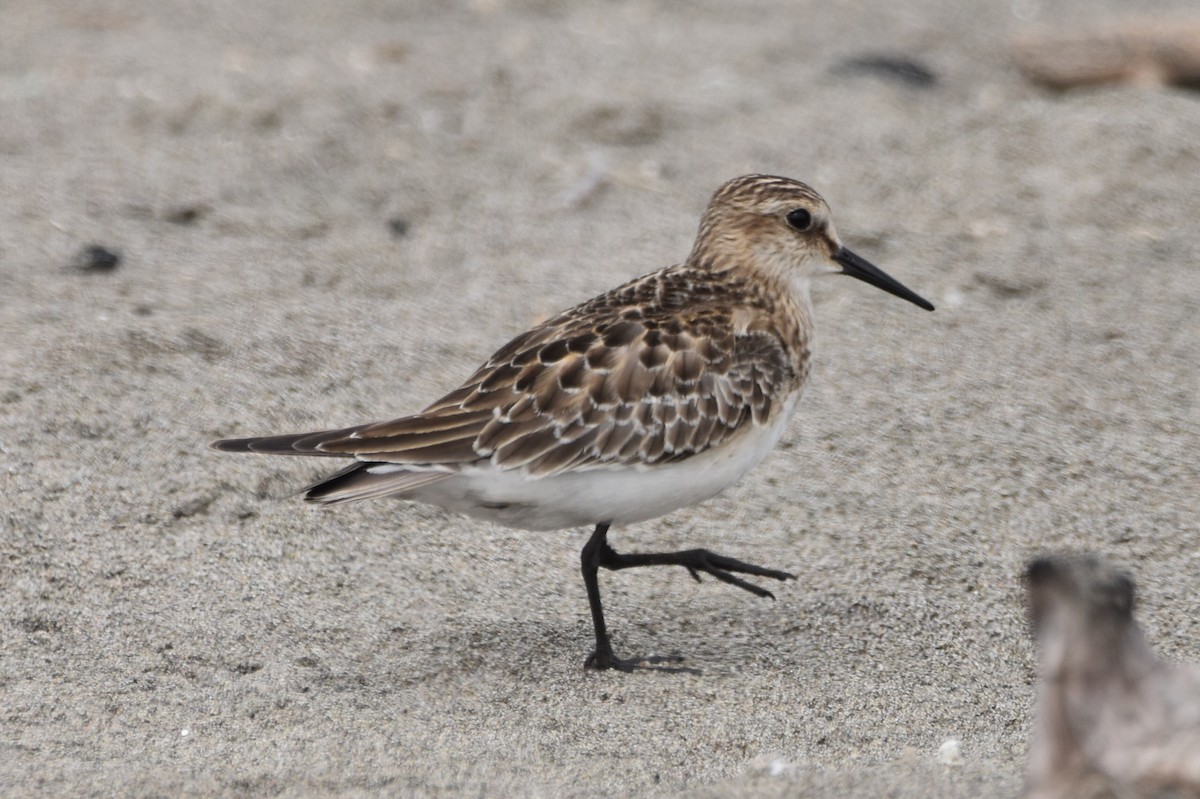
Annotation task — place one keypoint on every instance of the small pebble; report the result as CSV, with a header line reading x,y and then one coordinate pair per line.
x,y
950,753
185,214
771,765
897,68
398,227
95,258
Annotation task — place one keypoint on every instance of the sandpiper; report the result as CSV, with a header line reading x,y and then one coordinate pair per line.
x,y
651,397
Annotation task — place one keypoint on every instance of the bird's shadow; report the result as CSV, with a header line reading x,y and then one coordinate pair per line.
x,y
662,664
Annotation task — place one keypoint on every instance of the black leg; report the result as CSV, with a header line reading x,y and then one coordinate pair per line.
x,y
602,657
597,553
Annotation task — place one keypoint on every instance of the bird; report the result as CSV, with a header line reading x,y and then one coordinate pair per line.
x,y
650,397
1111,718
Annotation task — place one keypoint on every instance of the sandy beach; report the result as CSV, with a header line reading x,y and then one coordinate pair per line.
x,y
323,214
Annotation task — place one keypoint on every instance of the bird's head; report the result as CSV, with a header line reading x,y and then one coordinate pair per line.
x,y
783,227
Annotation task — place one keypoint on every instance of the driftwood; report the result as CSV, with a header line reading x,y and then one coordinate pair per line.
x,y
1138,52
1112,719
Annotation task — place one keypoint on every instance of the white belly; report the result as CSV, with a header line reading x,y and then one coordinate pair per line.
x,y
578,499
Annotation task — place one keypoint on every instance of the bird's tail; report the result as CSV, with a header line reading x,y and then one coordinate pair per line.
x,y
296,444
367,480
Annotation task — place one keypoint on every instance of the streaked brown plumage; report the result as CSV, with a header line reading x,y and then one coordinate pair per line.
x,y
650,397
651,372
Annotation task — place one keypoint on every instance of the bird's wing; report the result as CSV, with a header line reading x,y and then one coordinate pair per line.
x,y
624,394
654,371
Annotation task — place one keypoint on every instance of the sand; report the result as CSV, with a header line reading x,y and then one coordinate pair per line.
x,y
328,213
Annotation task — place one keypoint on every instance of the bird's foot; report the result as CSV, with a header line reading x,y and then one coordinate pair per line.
x,y
603,659
722,567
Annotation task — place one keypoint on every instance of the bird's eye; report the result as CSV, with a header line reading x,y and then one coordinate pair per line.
x,y
800,219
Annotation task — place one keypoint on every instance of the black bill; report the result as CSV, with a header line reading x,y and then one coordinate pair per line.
x,y
869,273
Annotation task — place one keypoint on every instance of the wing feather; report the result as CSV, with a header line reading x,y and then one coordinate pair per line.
x,y
621,381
